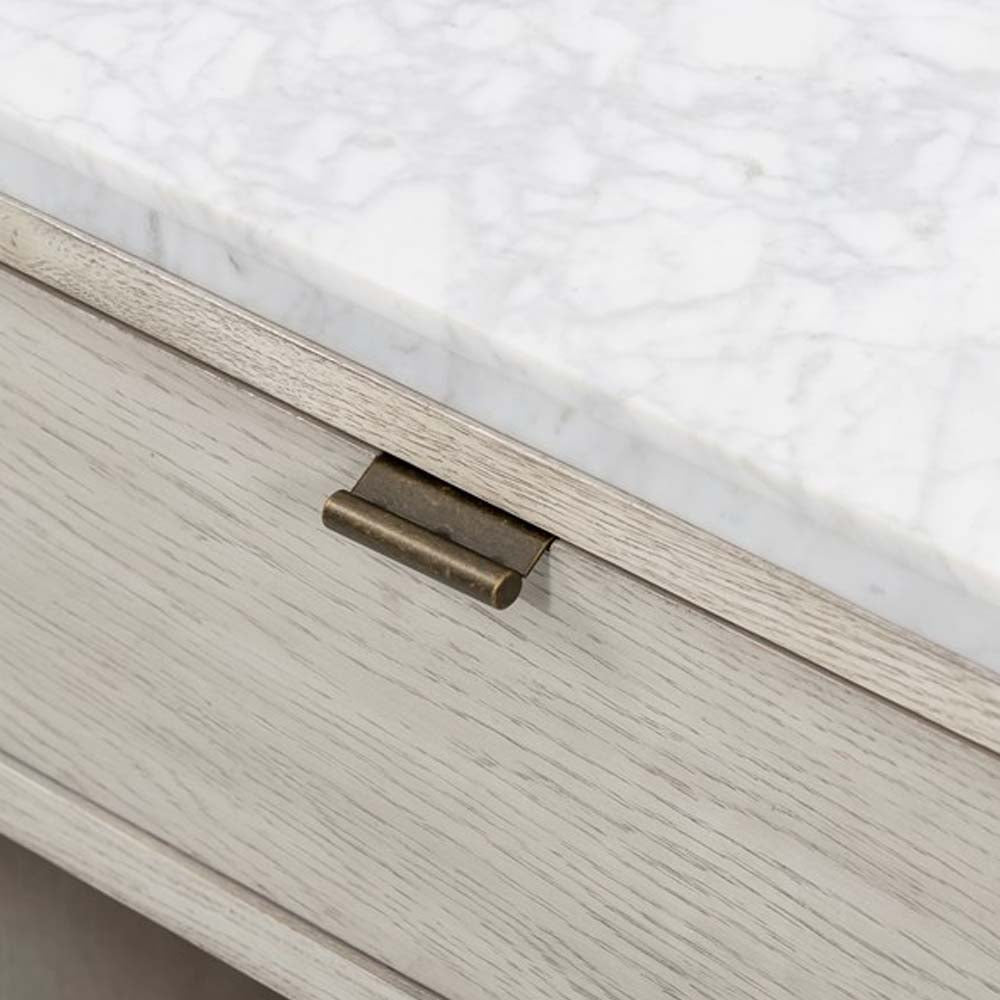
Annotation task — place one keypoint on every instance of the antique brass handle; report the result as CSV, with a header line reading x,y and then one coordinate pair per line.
x,y
437,529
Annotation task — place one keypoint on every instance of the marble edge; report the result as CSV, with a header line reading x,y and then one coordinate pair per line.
x,y
900,579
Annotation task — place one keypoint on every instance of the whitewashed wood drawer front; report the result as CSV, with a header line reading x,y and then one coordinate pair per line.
x,y
599,793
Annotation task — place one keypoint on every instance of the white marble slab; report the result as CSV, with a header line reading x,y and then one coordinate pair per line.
x,y
739,259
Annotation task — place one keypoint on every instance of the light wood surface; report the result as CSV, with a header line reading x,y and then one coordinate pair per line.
x,y
59,939
645,541
243,929
602,792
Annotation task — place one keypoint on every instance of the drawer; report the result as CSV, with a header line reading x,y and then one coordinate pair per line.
x,y
601,792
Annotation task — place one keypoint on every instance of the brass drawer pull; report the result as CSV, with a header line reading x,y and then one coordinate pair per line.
x,y
437,529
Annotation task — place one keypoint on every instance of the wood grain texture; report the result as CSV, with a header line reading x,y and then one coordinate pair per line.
x,y
243,929
650,543
59,939
602,792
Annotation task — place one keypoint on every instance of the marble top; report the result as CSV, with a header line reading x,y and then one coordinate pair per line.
x,y
741,260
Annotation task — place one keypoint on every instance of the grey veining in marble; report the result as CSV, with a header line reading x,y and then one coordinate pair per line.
x,y
738,259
